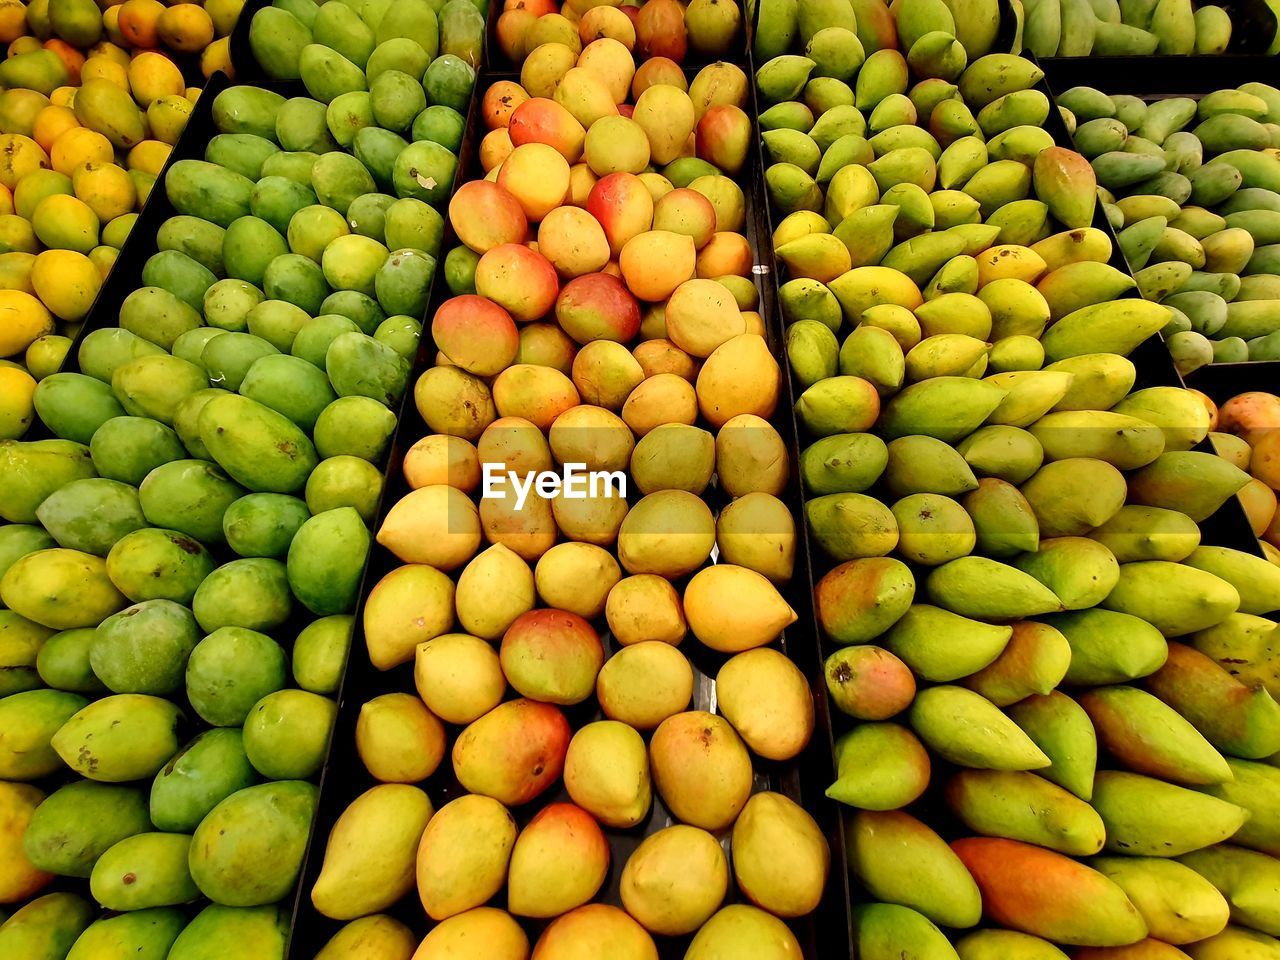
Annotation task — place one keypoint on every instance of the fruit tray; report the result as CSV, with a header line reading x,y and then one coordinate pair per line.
x,y
802,779
245,64
1228,527
126,275
1222,381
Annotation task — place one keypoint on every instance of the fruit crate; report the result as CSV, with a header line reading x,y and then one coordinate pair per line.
x,y
1227,527
248,70
1222,381
1255,30
822,934
126,274
127,277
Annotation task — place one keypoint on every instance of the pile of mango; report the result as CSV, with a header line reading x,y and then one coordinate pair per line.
x,y
51,41
86,125
1124,28
1194,189
202,509
696,31
603,314
1023,628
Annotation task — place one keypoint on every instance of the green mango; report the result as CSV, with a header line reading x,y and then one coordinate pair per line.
x,y
251,593
157,564
320,654
31,471
28,720
73,405
196,779
128,448
77,823
231,933
140,935
231,670
144,871
45,928
144,648
257,446
189,496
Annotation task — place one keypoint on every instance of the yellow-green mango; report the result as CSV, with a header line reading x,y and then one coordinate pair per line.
x,y
1109,647
1174,598
1256,580
1080,572
1060,727
1148,533
1071,497
1248,881
119,738
1101,380
1148,817
879,766
967,729
1256,788
1023,806
234,933
143,871
45,928
140,935
1178,904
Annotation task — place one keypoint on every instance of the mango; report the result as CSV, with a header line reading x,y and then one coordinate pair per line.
x,y
230,670
1023,806
700,768
1003,519
46,927
880,766
860,599
1071,904
552,655
923,874
1178,905
970,645
881,929
1034,661
558,862
463,855
235,933
1061,728
843,463
287,732
80,822
362,828
537,733
196,779
767,700
144,933
1149,737
144,871
1136,809
968,730
144,648
1061,515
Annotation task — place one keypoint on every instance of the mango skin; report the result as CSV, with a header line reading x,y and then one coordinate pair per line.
x,y
120,738
206,771
229,933
45,928
259,448
378,937
248,851
79,822
140,935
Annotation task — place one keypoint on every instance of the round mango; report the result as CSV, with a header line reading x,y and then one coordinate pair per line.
x,y
79,145
65,223
67,282
19,155
22,319
16,408
106,188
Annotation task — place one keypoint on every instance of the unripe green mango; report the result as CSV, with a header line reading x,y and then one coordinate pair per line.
x,y
140,935
1148,817
143,871
128,448
120,738
880,766
231,670
77,823
28,720
31,471
45,928
967,729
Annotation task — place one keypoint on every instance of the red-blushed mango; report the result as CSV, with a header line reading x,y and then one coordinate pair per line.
x,y
869,683
541,120
574,242
537,176
500,102
552,656
740,377
520,280
655,263
1066,182
484,932
485,215
723,137
594,931
1034,661
657,71
435,525
725,254
1249,415
559,862
861,599
546,345
476,334
515,444
612,62
514,752
686,212
463,855
663,356
701,315
660,31
511,29
538,394
458,677
701,769
623,206
1048,895
597,306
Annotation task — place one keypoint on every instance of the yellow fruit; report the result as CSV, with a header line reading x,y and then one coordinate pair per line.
x,y
63,97
19,155
16,235
111,24
167,117
67,282
22,319
105,48
217,58
6,200
51,123
77,146
1009,260
152,76
15,271
224,14
65,223
149,156
16,407
104,258
19,878
105,68
13,20
186,27
105,188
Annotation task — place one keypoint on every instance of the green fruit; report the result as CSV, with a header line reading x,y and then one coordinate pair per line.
x,y
143,871
63,661
230,933
326,560
355,426
286,734
320,654
229,671
252,593
248,850
263,524
92,514
257,446
243,153
79,822
31,471
199,777
156,564
123,737
189,496
27,722
139,935
73,406
144,648
45,928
